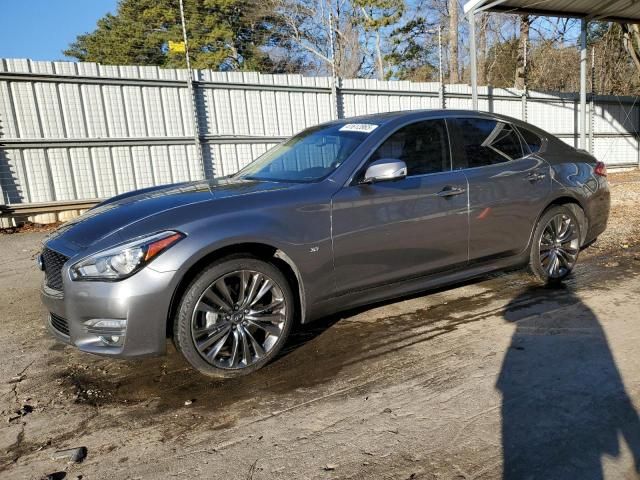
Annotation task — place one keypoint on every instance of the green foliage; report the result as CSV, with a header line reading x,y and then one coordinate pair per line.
x,y
414,53
597,31
223,34
503,63
378,14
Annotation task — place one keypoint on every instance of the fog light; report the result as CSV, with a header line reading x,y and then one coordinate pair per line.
x,y
112,340
109,331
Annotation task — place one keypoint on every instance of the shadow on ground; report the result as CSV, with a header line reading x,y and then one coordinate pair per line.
x,y
564,405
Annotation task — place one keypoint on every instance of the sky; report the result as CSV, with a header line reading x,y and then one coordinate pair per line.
x,y
42,29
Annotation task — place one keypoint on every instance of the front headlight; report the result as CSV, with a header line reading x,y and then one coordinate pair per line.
x,y
124,260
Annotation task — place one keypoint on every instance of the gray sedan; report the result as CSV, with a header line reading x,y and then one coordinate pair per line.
x,y
341,215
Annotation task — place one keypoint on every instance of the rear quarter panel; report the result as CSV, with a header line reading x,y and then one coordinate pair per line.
x,y
573,176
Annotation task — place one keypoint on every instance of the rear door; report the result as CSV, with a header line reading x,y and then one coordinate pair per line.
x,y
508,185
391,231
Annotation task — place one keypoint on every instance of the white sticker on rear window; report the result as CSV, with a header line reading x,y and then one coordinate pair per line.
x,y
358,127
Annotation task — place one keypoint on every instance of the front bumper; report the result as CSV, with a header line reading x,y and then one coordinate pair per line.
x,y
140,302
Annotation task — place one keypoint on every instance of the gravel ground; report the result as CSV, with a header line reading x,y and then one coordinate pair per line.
x,y
496,378
624,222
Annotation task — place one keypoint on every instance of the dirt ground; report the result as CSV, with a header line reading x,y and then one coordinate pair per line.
x,y
497,378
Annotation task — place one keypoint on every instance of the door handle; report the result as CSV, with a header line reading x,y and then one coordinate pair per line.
x,y
536,176
450,191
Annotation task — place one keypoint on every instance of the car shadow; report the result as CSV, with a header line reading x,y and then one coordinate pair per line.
x,y
564,403
302,334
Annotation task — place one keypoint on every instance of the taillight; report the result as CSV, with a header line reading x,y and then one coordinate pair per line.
x,y
601,169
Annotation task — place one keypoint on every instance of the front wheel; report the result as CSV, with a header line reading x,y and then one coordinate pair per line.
x,y
555,245
234,317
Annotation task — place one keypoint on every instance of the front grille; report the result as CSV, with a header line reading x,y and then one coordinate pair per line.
x,y
53,262
59,323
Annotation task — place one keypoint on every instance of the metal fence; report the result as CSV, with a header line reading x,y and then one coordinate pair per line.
x,y
73,132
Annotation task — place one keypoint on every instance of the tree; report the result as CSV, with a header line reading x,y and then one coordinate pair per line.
x,y
376,16
223,34
414,50
501,63
616,66
631,42
326,33
521,69
454,74
482,48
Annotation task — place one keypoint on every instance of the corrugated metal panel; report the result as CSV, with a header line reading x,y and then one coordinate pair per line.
x,y
128,127
83,173
123,169
617,150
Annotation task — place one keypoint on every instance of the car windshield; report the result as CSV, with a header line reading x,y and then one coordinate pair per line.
x,y
309,156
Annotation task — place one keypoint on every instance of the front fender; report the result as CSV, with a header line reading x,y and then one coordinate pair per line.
x,y
301,236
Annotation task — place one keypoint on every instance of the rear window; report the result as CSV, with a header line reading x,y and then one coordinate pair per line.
x,y
487,142
531,140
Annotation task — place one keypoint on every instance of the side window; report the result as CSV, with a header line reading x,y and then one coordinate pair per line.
x,y
533,141
423,146
487,142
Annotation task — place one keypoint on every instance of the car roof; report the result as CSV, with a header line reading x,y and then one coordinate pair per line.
x,y
386,117
407,115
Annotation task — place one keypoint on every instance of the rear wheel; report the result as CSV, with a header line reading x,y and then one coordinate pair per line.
x,y
234,317
556,245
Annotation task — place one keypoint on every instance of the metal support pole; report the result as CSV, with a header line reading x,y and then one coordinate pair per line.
x,y
592,100
440,72
583,84
334,76
194,103
474,67
638,136
525,91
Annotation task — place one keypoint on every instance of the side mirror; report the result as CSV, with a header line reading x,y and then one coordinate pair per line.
x,y
384,170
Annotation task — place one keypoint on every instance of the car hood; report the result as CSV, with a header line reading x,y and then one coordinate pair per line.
x,y
111,216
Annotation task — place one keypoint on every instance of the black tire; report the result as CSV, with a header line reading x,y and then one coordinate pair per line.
x,y
565,251
182,327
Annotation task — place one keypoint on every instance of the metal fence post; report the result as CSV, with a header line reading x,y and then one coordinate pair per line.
x,y
583,83
441,92
591,123
525,91
192,94
336,98
592,100
196,123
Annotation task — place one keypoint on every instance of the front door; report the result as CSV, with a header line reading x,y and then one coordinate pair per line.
x,y
391,231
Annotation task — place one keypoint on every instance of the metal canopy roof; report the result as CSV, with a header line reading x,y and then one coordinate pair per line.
x,y
625,11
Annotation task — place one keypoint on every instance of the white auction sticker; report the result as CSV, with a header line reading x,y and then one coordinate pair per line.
x,y
358,127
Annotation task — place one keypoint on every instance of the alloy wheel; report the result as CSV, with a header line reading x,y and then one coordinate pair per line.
x,y
559,246
238,319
